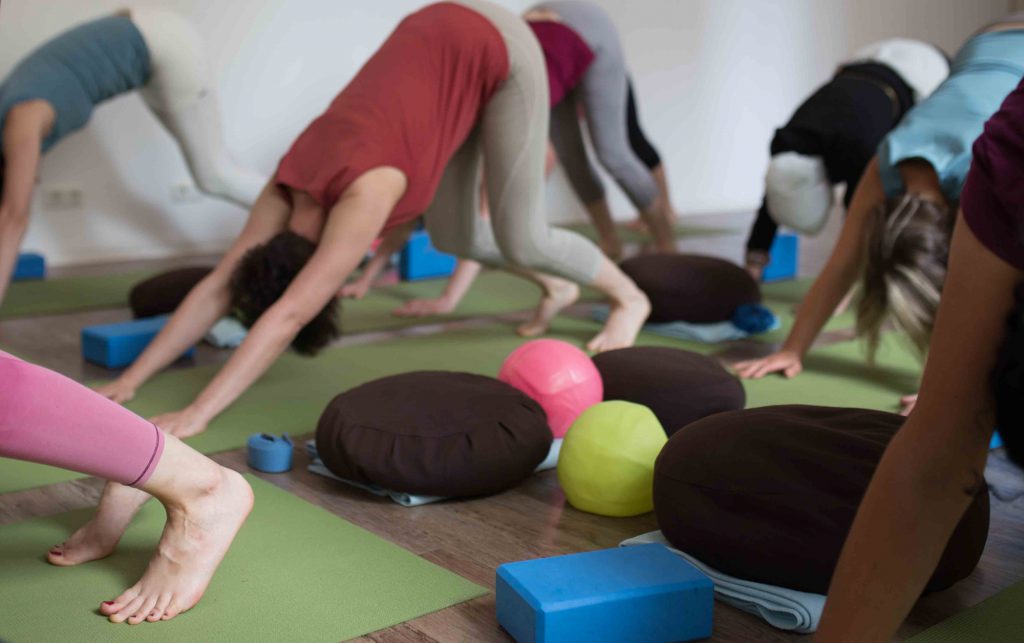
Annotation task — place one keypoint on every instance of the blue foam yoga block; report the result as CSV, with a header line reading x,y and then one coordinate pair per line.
x,y
782,258
997,441
118,345
419,259
643,593
29,266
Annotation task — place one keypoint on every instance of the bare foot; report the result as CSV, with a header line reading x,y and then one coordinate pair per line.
x,y
195,539
558,295
98,538
625,319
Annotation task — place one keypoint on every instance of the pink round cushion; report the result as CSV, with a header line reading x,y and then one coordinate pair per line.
x,y
558,376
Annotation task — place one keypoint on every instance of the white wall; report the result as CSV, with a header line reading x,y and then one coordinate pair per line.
x,y
713,78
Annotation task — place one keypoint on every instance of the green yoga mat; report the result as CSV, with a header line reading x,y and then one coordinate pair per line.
x,y
629,235
840,375
294,573
69,294
291,395
997,619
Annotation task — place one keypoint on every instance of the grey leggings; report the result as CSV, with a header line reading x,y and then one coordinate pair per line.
x,y
511,140
603,95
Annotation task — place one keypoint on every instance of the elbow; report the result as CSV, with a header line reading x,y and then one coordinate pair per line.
x,y
14,217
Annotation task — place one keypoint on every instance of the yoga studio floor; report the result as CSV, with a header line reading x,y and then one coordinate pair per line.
x,y
469,538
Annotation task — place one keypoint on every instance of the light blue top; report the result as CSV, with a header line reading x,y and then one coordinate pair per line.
x,y
942,129
77,70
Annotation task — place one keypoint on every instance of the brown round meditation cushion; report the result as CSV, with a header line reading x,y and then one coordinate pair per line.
x,y
769,494
679,386
691,288
434,433
162,294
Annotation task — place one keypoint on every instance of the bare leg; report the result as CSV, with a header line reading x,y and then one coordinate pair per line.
x,y
558,295
659,222
608,237
629,309
98,538
206,506
663,194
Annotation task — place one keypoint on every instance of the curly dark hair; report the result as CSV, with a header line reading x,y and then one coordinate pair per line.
x,y
1008,383
262,276
905,261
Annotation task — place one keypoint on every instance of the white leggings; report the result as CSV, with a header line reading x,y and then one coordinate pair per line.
x,y
181,96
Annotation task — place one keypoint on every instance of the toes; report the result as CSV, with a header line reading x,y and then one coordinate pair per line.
x,y
109,608
161,606
172,610
128,610
142,612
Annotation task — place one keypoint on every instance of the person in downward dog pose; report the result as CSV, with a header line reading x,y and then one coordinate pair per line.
x,y
49,419
480,96
895,239
834,133
973,382
52,92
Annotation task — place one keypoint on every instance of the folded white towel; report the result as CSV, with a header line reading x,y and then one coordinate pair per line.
x,y
786,609
409,499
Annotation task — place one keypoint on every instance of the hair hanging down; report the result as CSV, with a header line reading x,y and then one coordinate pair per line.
x,y
262,276
904,268
1008,383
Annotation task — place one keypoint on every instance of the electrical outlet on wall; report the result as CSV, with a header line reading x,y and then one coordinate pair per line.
x,y
184,192
62,197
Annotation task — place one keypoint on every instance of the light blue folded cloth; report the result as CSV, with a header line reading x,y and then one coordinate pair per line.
x,y
227,333
409,499
703,333
785,609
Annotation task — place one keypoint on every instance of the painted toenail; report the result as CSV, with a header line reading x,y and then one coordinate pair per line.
x,y
56,552
108,602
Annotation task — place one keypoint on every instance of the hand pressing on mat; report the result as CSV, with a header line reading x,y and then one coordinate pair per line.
x,y
181,424
119,391
355,290
786,362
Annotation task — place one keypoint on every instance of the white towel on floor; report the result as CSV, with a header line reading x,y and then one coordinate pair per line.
x,y
409,499
703,333
786,609
227,333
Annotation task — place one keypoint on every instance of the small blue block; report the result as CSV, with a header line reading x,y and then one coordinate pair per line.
x,y
269,453
29,266
997,441
643,593
782,261
118,345
421,260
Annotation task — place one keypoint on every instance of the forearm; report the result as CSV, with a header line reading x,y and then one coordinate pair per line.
x,y
918,494
461,281
266,341
12,230
201,309
825,294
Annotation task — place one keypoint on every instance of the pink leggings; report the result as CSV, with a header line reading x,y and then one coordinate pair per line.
x,y
50,419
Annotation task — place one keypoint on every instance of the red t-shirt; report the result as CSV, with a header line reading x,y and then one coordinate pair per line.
x,y
410,107
567,56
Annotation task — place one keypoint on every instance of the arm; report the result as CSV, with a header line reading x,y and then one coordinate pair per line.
x,y
458,285
832,284
353,223
24,130
389,245
934,465
206,303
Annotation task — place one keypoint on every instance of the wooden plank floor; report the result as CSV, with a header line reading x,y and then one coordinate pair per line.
x,y
473,537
